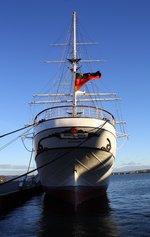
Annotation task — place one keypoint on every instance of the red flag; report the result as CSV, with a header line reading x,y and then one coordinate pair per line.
x,y
81,79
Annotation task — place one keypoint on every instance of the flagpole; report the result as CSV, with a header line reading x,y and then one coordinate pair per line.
x,y
74,61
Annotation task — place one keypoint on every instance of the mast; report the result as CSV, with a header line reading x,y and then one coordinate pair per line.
x,y
74,61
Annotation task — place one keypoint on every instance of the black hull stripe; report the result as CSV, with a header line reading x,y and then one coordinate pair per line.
x,y
71,150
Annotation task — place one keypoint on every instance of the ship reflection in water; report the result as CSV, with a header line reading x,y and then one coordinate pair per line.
x,y
124,214
91,219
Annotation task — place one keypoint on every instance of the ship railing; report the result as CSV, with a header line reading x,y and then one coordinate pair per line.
x,y
79,111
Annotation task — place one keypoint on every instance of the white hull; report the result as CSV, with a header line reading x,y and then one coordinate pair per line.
x,y
75,166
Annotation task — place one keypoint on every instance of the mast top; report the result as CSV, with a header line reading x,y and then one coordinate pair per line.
x,y
74,13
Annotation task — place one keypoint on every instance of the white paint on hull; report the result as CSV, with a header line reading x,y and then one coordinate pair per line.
x,y
76,162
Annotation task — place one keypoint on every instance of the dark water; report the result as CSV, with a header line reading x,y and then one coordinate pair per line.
x,y
126,213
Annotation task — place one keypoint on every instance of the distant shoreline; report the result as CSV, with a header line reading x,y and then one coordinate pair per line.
x,y
114,173
132,172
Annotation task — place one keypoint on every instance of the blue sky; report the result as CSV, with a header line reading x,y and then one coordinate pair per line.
x,y
122,28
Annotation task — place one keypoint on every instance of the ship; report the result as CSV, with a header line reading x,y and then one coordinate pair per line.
x,y
75,138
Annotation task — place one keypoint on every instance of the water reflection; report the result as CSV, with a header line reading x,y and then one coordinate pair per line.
x,y
91,219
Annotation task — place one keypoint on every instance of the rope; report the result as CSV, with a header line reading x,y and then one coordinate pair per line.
x,y
17,130
22,139
28,166
52,161
13,140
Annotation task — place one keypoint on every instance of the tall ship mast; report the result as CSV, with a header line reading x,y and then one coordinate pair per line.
x,y
74,140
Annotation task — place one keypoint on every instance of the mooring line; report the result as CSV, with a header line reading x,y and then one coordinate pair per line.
x,y
17,130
